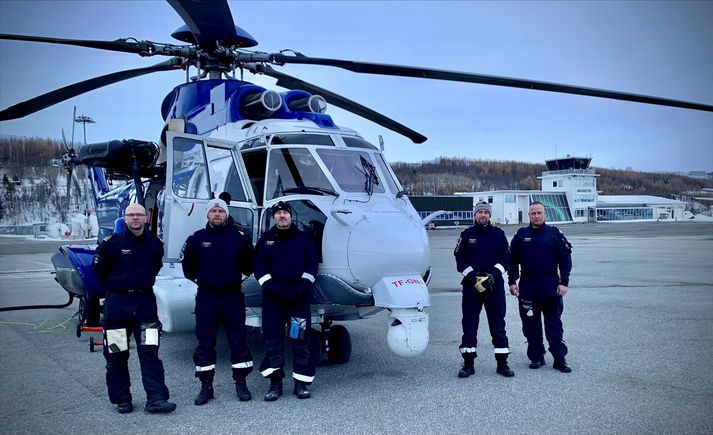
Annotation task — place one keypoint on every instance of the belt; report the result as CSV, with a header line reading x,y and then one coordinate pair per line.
x,y
132,292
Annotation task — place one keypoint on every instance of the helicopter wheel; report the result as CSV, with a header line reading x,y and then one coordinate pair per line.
x,y
315,346
79,330
91,344
340,345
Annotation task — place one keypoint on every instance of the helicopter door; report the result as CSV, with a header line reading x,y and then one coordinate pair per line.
x,y
197,169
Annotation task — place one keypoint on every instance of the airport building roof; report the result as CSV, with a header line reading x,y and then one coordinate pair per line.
x,y
629,200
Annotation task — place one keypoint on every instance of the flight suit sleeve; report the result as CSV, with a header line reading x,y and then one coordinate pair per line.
x,y
158,257
503,253
188,259
102,260
462,258
260,265
247,257
311,264
564,258
514,267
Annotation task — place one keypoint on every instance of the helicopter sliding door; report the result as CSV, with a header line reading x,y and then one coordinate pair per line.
x,y
198,169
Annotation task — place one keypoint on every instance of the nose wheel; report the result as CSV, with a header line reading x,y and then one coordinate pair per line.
x,y
333,342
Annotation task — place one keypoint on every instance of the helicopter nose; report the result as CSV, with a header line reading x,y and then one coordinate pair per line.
x,y
387,244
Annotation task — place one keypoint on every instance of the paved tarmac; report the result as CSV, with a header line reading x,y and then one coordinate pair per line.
x,y
638,323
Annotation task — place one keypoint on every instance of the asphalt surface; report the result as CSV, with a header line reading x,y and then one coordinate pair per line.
x,y
638,323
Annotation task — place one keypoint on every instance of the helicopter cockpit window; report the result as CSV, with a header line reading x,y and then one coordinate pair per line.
x,y
223,174
292,171
381,163
357,142
243,218
302,139
351,169
190,178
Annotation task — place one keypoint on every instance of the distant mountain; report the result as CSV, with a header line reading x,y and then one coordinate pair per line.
x,y
444,176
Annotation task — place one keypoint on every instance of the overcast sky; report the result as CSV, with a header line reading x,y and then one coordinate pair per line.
x,y
657,48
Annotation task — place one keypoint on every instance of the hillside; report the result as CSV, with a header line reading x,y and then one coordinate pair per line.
x,y
444,176
33,190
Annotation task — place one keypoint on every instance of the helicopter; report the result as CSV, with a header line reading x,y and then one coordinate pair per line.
x,y
223,134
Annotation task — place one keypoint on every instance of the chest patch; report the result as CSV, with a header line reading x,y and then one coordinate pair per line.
x,y
126,252
472,241
527,239
269,242
206,244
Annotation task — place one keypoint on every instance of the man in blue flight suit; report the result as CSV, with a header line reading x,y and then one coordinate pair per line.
x,y
127,264
537,252
217,258
286,266
482,256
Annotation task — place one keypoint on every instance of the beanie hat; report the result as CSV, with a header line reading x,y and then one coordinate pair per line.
x,y
482,205
282,205
217,202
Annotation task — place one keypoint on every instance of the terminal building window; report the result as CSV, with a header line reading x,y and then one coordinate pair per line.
x,y
624,214
556,207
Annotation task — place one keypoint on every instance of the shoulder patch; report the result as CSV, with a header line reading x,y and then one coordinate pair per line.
x,y
107,238
241,232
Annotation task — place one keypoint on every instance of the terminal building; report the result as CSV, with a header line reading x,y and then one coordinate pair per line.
x,y
569,194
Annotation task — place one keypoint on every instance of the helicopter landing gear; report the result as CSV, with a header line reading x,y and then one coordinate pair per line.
x,y
335,342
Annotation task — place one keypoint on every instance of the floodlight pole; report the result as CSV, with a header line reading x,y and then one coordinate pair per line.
x,y
84,120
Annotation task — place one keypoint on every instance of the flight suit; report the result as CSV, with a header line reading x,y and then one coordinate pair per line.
x,y
483,249
128,265
216,258
536,256
286,266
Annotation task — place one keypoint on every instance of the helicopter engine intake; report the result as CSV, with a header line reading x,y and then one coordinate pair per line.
x,y
260,105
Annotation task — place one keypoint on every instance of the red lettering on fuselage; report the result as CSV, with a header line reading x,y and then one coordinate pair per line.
x,y
401,282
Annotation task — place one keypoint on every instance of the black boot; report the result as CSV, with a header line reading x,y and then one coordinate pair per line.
x,y
468,365
503,368
160,407
241,388
301,390
537,363
125,407
205,394
275,390
561,365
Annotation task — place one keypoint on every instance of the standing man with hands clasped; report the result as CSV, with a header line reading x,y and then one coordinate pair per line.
x,y
217,258
127,264
537,252
482,256
286,266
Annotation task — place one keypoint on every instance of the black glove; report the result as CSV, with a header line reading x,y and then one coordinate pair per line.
x,y
484,282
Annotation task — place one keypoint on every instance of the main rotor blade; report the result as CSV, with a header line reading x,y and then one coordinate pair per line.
x,y
58,95
122,45
208,20
437,74
290,82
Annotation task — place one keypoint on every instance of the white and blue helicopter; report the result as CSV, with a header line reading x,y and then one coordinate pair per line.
x,y
222,134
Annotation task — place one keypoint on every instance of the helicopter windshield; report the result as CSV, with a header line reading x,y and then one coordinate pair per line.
x,y
293,171
353,170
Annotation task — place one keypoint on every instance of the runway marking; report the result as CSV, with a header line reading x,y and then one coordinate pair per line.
x,y
57,327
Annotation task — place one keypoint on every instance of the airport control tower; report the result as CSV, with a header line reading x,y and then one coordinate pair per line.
x,y
573,177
